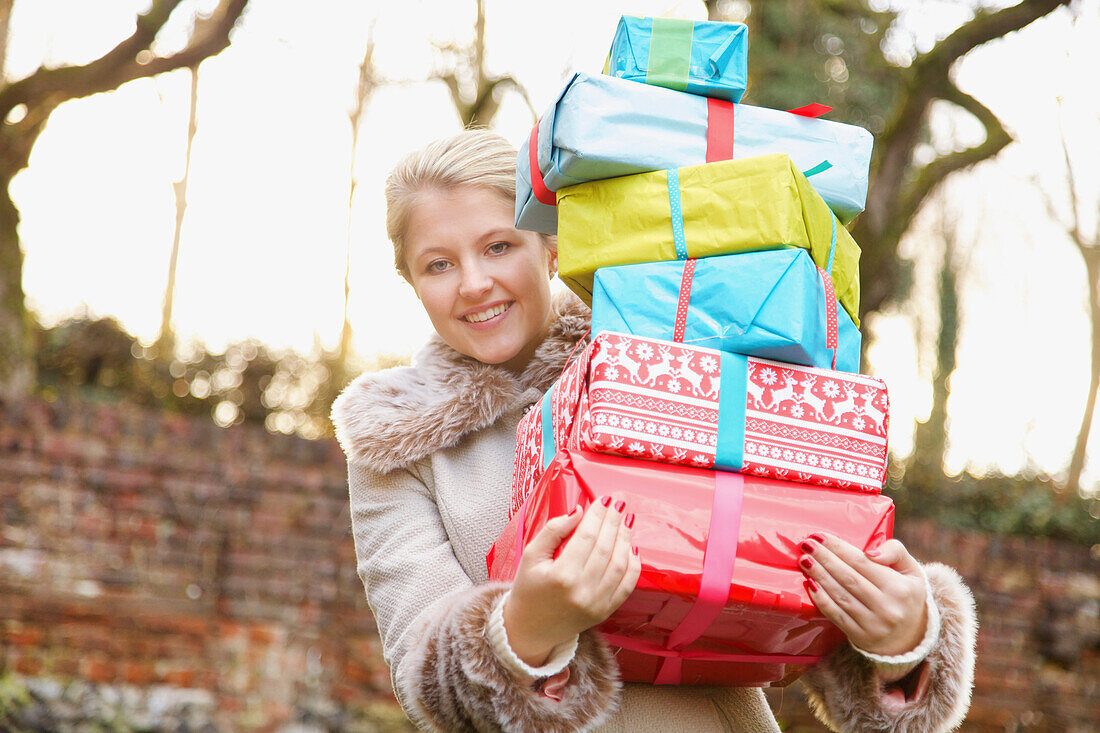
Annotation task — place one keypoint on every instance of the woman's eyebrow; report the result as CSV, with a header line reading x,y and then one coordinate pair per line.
x,y
431,251
499,231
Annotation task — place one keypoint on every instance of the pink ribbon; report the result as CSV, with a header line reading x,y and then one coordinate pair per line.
x,y
830,314
718,561
683,301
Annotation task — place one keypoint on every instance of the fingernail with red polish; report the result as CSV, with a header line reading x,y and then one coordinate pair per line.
x,y
606,501
818,538
807,548
620,505
634,550
812,585
629,521
806,562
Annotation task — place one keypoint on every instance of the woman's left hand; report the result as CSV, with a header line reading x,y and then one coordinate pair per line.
x,y
876,598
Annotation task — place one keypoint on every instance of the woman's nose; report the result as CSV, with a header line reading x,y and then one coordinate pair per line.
x,y
475,282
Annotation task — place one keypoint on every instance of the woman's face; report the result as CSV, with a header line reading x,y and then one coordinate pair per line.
x,y
484,283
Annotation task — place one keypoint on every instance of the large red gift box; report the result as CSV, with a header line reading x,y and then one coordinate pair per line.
x,y
689,405
721,600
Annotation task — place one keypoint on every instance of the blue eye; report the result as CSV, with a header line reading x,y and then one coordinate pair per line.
x,y
436,266
499,247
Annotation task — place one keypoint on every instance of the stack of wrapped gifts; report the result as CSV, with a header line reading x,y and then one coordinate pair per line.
x,y
720,396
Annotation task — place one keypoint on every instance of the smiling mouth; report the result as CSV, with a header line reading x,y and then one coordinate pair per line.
x,y
489,313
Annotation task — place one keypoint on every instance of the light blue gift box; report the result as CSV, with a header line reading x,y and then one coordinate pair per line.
x,y
764,304
699,57
603,127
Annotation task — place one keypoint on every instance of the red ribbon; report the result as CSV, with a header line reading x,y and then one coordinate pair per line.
x,y
685,298
719,130
538,186
811,110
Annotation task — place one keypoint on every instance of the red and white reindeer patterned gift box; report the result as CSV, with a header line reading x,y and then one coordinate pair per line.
x,y
693,406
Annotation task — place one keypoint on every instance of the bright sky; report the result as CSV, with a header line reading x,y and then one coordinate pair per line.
x,y
264,241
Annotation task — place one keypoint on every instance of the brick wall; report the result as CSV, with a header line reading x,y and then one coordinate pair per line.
x,y
145,552
144,549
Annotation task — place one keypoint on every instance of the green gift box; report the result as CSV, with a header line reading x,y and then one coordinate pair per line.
x,y
745,205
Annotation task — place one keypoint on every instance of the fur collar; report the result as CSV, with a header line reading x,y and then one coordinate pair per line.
x,y
393,418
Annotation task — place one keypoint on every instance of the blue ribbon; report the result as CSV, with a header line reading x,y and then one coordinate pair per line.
x,y
832,249
548,447
676,213
730,453
819,168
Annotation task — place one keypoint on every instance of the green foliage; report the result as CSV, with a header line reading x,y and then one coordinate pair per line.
x,y
14,698
96,359
1028,505
826,51
99,360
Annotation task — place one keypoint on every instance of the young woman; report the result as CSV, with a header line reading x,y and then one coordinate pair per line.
x,y
430,453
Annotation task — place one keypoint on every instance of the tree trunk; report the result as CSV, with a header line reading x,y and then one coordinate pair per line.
x,y
1077,463
364,90
17,376
930,441
166,340
5,16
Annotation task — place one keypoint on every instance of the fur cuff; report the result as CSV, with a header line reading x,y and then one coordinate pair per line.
x,y
847,693
453,679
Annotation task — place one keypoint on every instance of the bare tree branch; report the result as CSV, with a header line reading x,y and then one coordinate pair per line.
x,y
996,138
1047,199
1074,227
895,193
126,61
522,91
1090,253
470,61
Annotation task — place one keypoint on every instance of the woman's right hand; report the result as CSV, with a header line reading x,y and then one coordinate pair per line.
x,y
554,599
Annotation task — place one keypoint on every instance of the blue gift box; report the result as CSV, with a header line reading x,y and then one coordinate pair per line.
x,y
765,304
699,57
603,127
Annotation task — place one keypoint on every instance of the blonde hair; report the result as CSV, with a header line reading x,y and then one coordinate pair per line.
x,y
470,158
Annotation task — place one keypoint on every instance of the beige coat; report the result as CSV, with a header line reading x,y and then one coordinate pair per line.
x,y
430,453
